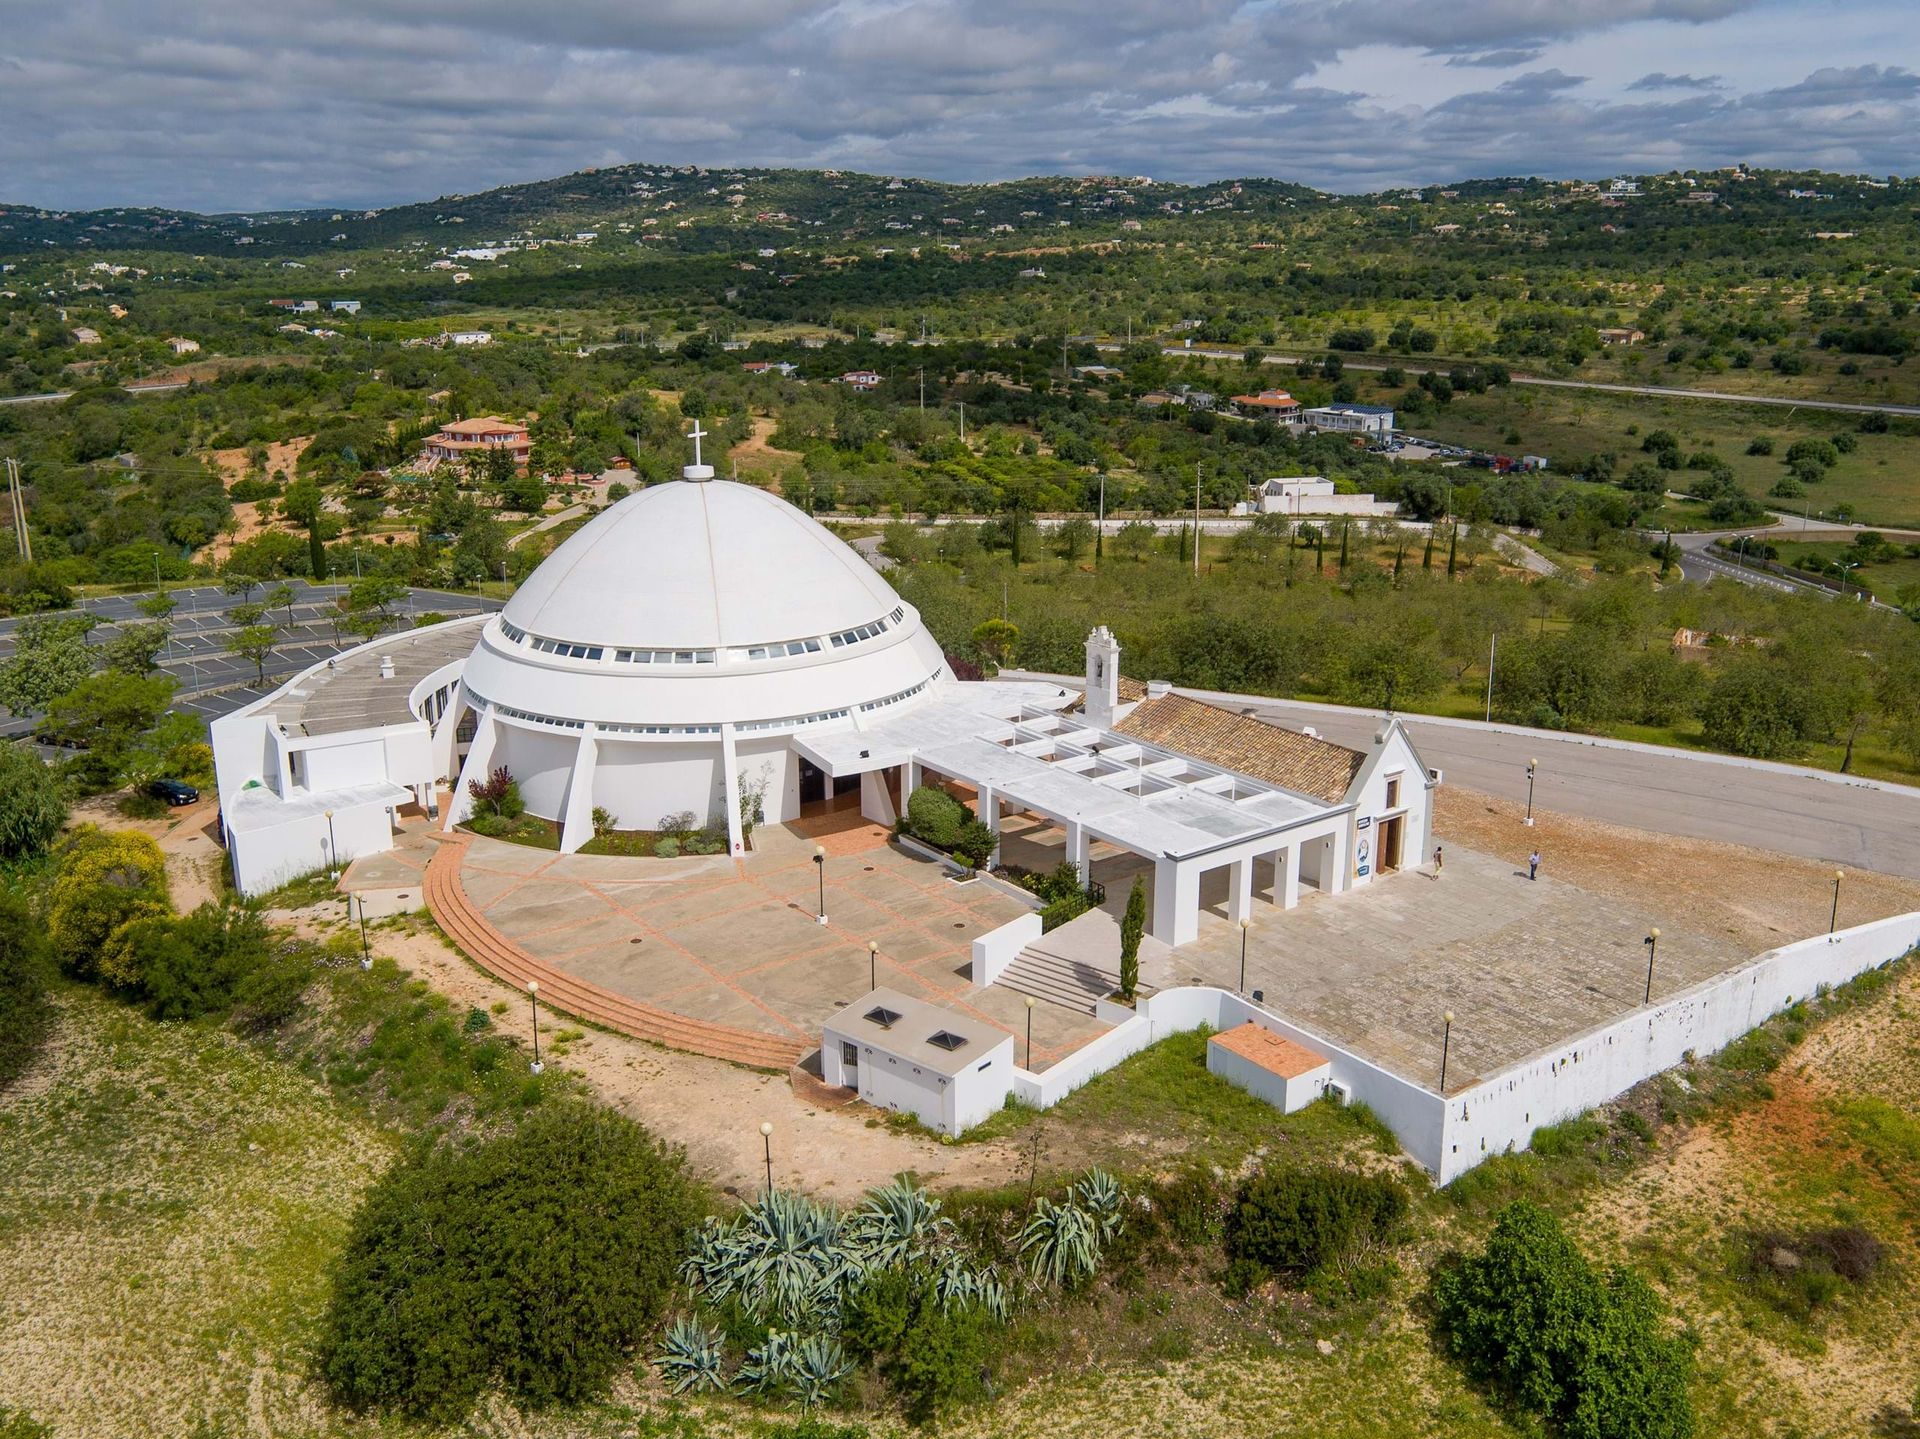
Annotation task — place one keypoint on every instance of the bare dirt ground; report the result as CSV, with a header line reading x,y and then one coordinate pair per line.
x,y
1757,897
282,456
715,1109
755,456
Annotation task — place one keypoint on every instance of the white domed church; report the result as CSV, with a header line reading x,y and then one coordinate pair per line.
x,y
703,648
661,661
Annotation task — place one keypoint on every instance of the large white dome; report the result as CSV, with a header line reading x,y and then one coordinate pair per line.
x,y
705,564
697,604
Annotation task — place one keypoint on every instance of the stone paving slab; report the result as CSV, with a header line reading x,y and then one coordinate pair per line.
x,y
1522,964
611,928
501,857
646,971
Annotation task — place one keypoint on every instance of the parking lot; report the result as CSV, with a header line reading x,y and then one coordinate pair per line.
x,y
213,682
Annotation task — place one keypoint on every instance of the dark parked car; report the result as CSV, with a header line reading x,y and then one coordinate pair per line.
x,y
174,792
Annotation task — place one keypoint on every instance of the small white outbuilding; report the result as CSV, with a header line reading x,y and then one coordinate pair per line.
x,y
1269,1066
948,1069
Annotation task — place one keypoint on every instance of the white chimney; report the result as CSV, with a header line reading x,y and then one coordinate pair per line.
x,y
1159,689
386,667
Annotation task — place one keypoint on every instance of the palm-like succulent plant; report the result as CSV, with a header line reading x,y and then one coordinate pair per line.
x,y
897,1225
817,1369
956,1282
1100,1194
1061,1243
691,1357
784,1255
770,1369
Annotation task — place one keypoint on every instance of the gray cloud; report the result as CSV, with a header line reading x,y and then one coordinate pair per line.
x,y
223,104
1658,80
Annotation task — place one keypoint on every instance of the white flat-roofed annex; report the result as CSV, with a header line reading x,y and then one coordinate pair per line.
x,y
1007,737
910,1033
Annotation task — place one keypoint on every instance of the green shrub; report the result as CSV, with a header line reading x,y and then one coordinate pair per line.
x,y
666,847
25,957
32,805
1802,1273
1064,910
535,1260
107,880
975,843
214,961
1300,1220
933,1355
1588,1352
936,816
18,1424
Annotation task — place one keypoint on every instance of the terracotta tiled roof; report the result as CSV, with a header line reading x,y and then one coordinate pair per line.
x,y
1272,1052
1131,690
1247,746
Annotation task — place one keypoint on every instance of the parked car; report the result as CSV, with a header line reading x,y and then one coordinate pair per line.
x,y
174,792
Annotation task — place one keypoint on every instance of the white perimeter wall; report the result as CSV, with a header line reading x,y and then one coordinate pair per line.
x,y
265,859
642,781
1448,1137
1505,1109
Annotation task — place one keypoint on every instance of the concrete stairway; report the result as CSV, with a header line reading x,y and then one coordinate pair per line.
x,y
1058,978
506,961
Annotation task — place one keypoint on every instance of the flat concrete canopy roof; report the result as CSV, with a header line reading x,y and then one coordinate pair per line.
x,y
909,1029
349,694
1009,738
257,807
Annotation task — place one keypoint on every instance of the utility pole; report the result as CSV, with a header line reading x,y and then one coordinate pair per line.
x,y
1196,519
1492,645
18,503
1100,529
963,422
923,389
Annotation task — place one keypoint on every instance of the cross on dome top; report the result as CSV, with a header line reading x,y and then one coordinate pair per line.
x,y
696,470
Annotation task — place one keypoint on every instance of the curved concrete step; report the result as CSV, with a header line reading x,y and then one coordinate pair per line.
x,y
455,913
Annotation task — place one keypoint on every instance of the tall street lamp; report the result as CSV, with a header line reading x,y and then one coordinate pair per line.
x,y
1029,1031
1653,946
533,993
1446,1046
1532,766
820,866
366,952
1245,925
873,964
1833,919
766,1141
333,850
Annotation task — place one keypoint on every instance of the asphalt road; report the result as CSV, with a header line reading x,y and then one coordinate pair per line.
x,y
1855,824
1661,392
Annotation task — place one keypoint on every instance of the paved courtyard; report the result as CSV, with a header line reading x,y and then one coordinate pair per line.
x,y
1522,964
740,944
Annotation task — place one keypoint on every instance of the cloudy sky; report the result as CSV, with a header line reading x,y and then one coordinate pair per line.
x,y
247,104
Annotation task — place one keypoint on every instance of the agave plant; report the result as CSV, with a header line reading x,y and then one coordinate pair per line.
x,y
784,1256
1061,1243
897,1225
771,1368
818,1368
956,1282
690,1357
1100,1194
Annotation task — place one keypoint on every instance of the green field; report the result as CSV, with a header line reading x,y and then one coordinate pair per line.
x,y
1886,577
1880,479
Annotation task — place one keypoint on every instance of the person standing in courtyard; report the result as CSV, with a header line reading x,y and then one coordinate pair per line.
x,y
1533,865
1439,861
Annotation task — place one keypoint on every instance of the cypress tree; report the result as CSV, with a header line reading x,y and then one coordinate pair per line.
x,y
1453,545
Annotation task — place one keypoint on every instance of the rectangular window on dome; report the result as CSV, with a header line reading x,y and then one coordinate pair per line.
x,y
683,657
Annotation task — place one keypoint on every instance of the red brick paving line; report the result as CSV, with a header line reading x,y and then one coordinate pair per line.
x,y
494,952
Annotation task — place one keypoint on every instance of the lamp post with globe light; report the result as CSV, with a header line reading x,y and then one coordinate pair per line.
x,y
533,994
820,866
1653,947
1446,1046
766,1141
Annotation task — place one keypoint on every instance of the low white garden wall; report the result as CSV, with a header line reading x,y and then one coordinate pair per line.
x,y
1503,1110
998,948
1450,1136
